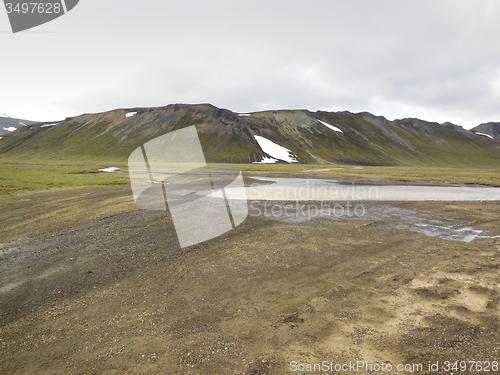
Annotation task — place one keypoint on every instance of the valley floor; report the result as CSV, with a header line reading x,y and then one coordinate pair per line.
x,y
90,284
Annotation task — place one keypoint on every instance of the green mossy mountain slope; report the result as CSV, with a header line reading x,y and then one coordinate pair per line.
x,y
228,137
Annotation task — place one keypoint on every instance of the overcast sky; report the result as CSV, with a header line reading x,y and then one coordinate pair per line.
x,y
437,60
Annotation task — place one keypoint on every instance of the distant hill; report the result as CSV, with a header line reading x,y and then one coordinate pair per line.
x,y
8,124
490,128
311,137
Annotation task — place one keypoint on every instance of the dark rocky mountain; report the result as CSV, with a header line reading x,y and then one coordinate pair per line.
x,y
7,124
312,137
489,128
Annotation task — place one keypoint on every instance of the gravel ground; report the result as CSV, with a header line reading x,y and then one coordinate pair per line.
x,y
108,290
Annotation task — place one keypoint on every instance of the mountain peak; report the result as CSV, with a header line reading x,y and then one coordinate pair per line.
x,y
491,129
9,124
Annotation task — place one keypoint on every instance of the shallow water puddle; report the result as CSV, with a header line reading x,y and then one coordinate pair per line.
x,y
382,215
427,224
316,189
330,199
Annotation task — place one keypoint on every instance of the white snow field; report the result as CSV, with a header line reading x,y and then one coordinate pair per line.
x,y
266,160
485,135
331,126
275,151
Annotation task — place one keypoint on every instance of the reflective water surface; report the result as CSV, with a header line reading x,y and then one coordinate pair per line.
x,y
330,199
277,188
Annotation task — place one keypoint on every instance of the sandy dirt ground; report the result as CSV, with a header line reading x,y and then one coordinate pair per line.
x,y
89,284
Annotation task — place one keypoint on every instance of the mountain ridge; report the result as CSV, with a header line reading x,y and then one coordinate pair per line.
x,y
7,123
362,138
489,128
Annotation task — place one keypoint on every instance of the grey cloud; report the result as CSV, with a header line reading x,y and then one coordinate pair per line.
x,y
412,58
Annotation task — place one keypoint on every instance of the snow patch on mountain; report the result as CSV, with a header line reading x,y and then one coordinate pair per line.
x,y
130,114
483,134
334,128
276,151
10,129
266,160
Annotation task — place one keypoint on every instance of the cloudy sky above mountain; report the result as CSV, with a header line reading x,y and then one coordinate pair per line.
x,y
438,60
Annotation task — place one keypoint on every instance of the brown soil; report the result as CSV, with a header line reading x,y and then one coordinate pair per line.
x,y
89,284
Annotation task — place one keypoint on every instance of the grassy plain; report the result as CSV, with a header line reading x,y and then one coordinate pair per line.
x,y
43,174
380,175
